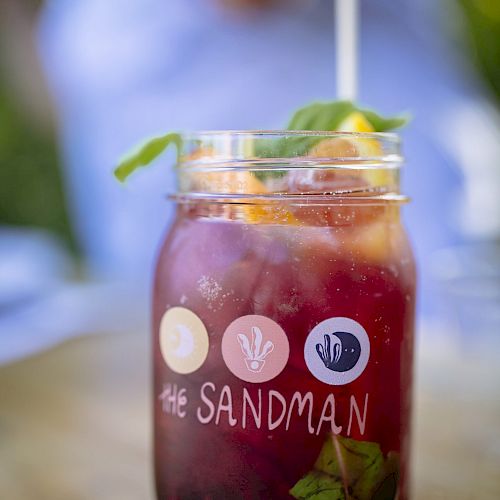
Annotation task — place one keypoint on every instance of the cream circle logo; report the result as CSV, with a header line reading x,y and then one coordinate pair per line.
x,y
337,351
255,348
183,340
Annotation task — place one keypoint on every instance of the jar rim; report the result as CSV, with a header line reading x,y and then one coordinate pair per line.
x,y
221,148
389,136
258,165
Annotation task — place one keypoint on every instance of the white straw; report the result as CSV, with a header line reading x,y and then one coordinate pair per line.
x,y
346,29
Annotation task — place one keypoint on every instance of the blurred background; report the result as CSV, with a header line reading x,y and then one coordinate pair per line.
x,y
83,80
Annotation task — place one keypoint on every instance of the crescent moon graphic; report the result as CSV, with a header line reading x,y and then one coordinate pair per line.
x,y
185,345
349,353
183,340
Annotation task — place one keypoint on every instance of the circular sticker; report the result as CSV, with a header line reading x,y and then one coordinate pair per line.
x,y
337,351
255,348
183,340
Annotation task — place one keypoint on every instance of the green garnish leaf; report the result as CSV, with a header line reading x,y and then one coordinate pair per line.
x,y
321,116
358,466
325,117
146,153
318,486
387,489
382,124
328,116
354,457
388,486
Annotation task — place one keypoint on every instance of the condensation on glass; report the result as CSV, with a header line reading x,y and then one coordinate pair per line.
x,y
283,320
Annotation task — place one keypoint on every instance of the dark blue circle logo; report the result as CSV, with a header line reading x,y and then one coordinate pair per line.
x,y
340,351
337,350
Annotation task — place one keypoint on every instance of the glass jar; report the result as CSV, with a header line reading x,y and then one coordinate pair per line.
x,y
284,306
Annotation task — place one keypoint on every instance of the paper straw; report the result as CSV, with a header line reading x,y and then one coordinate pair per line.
x,y
346,30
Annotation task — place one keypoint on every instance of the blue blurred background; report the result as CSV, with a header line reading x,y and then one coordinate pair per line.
x,y
82,81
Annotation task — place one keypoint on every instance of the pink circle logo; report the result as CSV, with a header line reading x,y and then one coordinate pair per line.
x,y
255,348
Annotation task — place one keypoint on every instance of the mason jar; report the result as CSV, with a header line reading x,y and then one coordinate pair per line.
x,y
283,319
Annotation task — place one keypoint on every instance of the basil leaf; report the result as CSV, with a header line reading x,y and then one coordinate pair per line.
x,y
146,153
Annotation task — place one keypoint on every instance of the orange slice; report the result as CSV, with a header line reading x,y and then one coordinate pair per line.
x,y
233,182
367,148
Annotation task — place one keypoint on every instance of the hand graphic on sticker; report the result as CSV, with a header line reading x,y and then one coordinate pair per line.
x,y
255,348
340,351
254,355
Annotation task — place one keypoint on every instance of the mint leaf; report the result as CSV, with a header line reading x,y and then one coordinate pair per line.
x,y
387,489
381,124
370,478
146,153
286,147
321,116
359,465
318,486
346,455
328,116
388,486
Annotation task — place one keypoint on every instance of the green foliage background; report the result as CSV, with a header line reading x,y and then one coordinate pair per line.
x,y
31,187
482,29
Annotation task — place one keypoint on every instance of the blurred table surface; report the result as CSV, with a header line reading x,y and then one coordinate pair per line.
x,y
75,424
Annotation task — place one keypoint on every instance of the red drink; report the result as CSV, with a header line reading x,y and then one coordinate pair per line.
x,y
283,325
